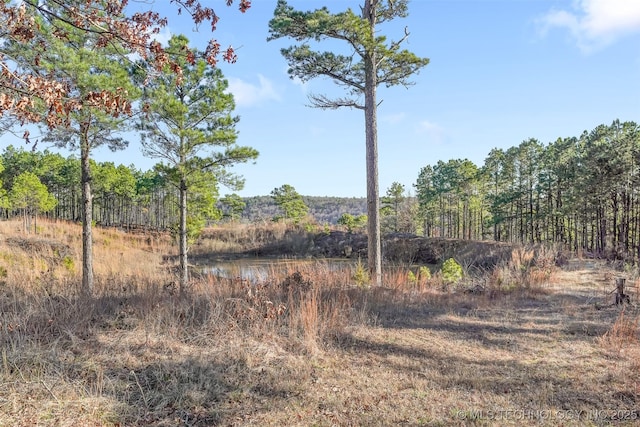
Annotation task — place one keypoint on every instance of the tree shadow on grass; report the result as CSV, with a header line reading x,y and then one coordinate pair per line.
x,y
513,383
531,351
579,317
180,372
194,392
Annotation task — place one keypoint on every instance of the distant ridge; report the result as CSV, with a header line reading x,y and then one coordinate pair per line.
x,y
324,209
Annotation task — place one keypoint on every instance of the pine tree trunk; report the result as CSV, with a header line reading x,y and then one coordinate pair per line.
x,y
87,217
184,272
374,251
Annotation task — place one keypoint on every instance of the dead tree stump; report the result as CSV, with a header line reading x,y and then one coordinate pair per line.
x,y
621,297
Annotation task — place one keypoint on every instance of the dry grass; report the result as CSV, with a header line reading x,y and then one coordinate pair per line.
x,y
304,346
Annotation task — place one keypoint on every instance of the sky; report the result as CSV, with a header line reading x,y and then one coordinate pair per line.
x,y
500,72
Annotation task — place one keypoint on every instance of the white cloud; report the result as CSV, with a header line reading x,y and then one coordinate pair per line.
x,y
434,132
248,94
594,24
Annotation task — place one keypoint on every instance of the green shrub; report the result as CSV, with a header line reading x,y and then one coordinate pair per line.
x,y
420,277
411,278
451,271
68,263
352,223
361,275
424,273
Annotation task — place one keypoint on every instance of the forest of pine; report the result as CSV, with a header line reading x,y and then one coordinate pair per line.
x,y
129,198
577,191
580,192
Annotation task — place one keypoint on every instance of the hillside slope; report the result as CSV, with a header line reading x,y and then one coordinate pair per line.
x,y
326,210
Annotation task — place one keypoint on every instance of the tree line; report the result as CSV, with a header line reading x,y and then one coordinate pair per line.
x,y
131,198
122,196
581,192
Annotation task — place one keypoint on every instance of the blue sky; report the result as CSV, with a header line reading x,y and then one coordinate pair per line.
x,y
501,71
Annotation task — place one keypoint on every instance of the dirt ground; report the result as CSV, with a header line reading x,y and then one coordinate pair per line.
x,y
545,357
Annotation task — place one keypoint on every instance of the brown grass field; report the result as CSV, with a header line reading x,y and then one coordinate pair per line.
x,y
523,344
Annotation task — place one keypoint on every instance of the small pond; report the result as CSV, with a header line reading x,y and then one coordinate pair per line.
x,y
257,269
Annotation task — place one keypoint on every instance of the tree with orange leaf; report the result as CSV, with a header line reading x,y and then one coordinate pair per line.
x,y
32,96
64,64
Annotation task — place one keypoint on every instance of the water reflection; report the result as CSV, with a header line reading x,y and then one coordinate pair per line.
x,y
259,269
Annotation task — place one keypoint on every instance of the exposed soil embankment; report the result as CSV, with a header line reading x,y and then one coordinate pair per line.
x,y
413,249
401,248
